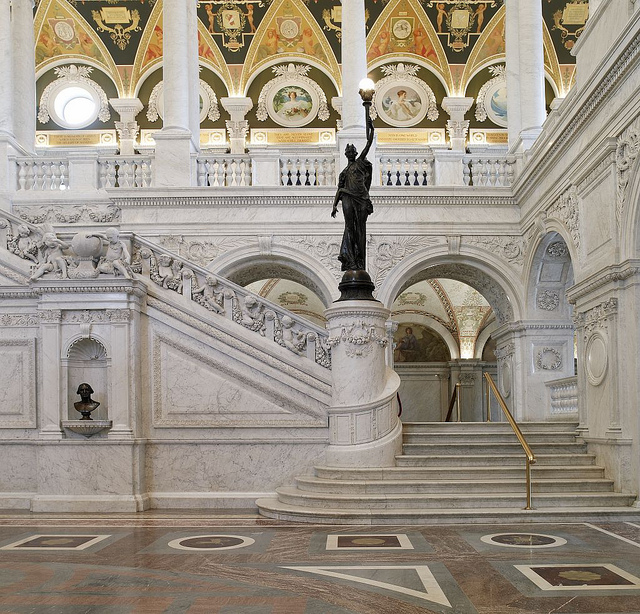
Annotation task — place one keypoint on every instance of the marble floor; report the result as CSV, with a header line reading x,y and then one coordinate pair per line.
x,y
234,562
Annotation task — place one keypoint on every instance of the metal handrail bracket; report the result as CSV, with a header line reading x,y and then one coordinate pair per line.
x,y
530,457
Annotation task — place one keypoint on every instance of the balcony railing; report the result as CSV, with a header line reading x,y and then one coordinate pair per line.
x,y
288,168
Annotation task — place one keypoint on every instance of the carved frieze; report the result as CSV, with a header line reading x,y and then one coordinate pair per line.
x,y
202,251
566,209
511,248
505,351
627,149
19,319
68,214
358,338
596,318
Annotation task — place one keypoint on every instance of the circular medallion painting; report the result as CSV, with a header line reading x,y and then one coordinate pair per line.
x,y
401,104
292,105
495,103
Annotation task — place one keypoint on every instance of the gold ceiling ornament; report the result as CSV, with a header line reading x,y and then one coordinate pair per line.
x,y
123,21
331,18
571,21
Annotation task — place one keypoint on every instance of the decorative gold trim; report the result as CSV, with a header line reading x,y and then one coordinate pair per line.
x,y
472,66
553,67
110,68
443,68
221,67
249,68
137,72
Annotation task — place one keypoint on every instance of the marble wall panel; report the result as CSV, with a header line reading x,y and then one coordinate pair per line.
x,y
212,474
17,383
17,478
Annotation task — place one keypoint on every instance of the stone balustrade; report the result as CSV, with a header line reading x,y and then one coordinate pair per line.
x,y
310,167
564,396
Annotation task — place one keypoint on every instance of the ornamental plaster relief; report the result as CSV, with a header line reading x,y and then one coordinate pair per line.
x,y
358,337
596,318
19,320
511,248
548,359
69,214
627,149
548,300
97,316
202,251
566,210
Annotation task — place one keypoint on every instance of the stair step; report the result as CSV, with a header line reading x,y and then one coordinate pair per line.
x,y
448,486
373,502
457,437
475,460
441,449
487,427
457,473
274,508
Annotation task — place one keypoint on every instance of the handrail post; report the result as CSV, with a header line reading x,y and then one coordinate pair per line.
x,y
458,400
488,397
528,477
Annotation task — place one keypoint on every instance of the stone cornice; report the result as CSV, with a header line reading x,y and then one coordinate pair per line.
x,y
295,199
611,274
119,286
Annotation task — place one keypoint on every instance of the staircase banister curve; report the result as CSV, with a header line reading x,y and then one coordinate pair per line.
x,y
221,295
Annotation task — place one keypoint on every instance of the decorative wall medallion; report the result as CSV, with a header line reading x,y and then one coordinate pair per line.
x,y
492,98
548,300
505,380
64,31
548,359
597,359
557,249
292,99
401,99
208,103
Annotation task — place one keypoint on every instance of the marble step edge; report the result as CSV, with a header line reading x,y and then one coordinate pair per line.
x,y
488,460
497,437
453,487
295,496
273,508
396,473
490,426
499,445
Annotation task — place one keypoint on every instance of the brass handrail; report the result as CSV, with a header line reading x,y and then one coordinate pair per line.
x,y
454,397
531,459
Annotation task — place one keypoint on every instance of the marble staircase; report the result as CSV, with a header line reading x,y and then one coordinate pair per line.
x,y
460,472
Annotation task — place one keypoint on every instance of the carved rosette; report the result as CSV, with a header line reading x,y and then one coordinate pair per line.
x,y
548,300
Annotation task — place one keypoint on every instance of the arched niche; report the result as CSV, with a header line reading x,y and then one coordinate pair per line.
x,y
87,361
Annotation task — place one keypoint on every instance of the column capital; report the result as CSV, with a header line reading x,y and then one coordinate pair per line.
x,y
237,107
127,108
457,106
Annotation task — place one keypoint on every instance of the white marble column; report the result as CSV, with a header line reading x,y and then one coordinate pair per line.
x,y
121,393
354,69
51,401
525,72
6,70
24,75
127,127
180,134
237,126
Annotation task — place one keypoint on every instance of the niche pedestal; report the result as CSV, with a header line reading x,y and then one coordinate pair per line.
x,y
364,428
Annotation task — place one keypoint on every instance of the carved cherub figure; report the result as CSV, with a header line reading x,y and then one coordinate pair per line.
x,y
54,259
169,273
117,259
27,246
294,340
210,298
252,316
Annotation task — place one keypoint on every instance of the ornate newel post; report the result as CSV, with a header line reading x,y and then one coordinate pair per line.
x,y
364,429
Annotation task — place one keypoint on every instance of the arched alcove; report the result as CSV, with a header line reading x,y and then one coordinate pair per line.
x,y
87,361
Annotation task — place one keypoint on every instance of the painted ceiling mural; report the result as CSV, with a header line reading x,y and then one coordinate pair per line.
x,y
448,44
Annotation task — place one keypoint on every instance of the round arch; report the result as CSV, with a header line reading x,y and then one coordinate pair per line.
x,y
437,327
249,264
630,214
482,339
484,275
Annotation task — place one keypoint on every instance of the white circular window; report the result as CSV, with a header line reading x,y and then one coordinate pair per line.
x,y
74,106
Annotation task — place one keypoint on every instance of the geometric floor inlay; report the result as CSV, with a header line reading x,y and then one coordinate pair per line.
x,y
523,540
211,542
586,576
55,542
394,541
424,585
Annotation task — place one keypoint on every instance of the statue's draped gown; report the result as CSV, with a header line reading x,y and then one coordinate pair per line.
x,y
353,186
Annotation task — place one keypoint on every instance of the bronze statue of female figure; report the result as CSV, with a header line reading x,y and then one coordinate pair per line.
x,y
353,191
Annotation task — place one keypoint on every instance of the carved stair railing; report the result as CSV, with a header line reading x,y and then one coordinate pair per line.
x,y
228,300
